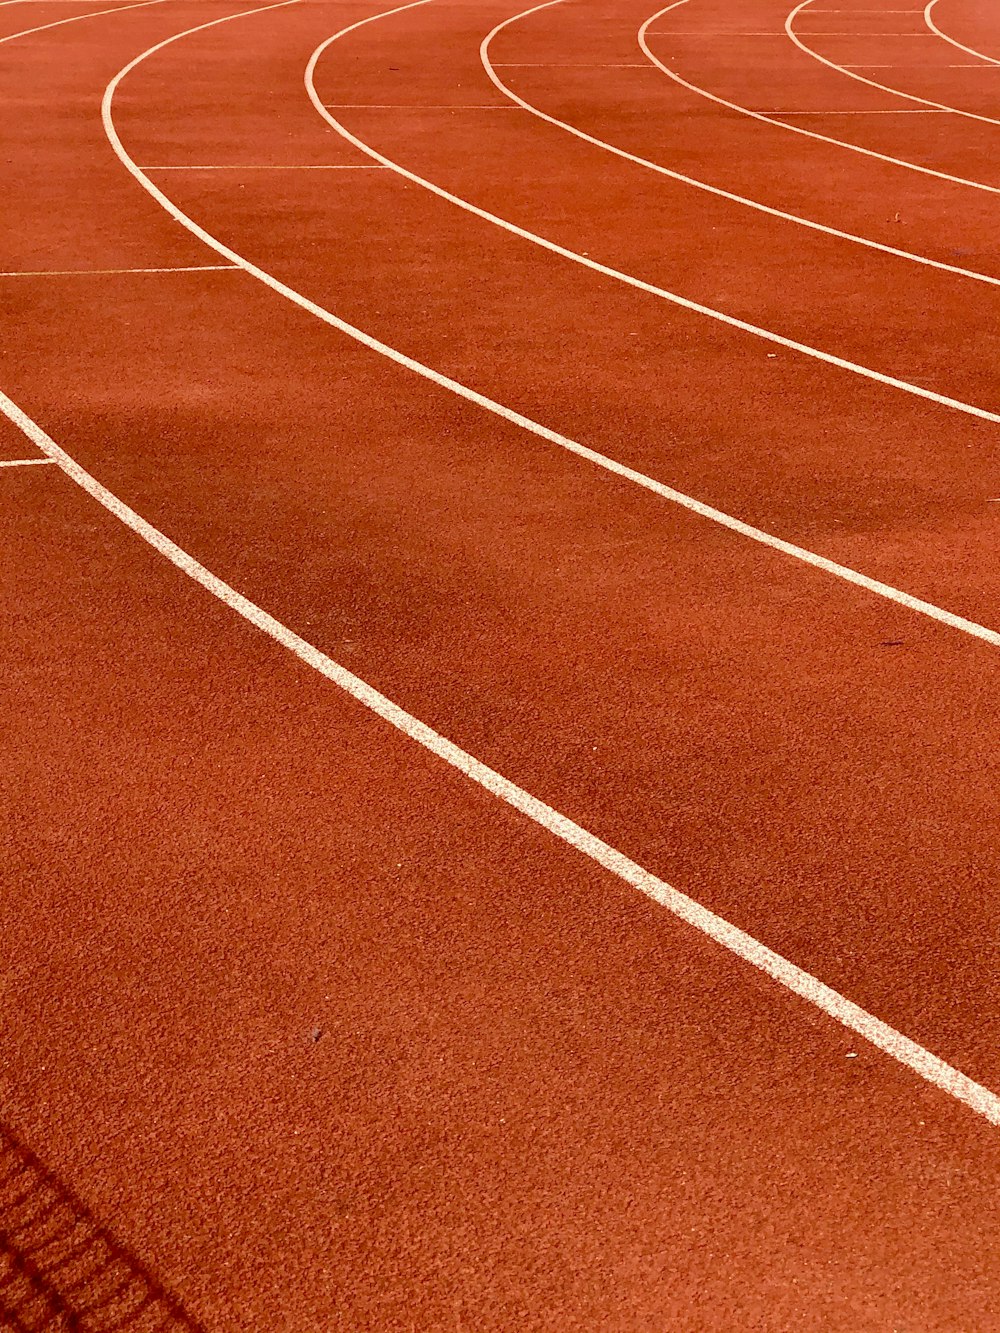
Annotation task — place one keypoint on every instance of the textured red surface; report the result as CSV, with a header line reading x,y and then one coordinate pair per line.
x,y
311,1032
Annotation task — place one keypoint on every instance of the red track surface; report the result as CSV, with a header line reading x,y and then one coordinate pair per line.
x,y
305,1029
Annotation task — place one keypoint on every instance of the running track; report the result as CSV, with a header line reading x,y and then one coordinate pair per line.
x,y
500,688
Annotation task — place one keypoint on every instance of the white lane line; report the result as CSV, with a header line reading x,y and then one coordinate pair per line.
x,y
873,83
610,465
646,31
103,272
78,18
571,64
491,68
25,462
899,1047
929,20
716,928
895,111
673,298
726,32
420,106
274,166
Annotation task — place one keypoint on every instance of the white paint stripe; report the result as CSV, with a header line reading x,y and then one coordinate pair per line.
x,y
419,106
873,83
103,272
570,64
724,32
275,166
24,462
79,18
929,20
610,465
715,190
744,946
645,32
683,302
896,111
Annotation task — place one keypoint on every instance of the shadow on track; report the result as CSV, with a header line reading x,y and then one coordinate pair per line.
x,y
60,1269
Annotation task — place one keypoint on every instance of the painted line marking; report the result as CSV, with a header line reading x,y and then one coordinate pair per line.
x,y
893,111
715,190
102,272
877,1033
419,106
608,464
570,64
873,83
277,166
647,31
685,33
25,462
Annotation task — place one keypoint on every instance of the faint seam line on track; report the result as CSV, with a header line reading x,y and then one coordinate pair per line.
x,y
610,465
764,118
969,50
106,272
743,200
25,462
744,946
78,18
683,302
871,83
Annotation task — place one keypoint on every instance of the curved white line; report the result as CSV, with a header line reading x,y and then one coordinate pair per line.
x,y
929,20
755,204
744,946
611,465
871,83
795,129
76,18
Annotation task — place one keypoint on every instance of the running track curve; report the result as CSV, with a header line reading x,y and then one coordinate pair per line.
x,y
381,1053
